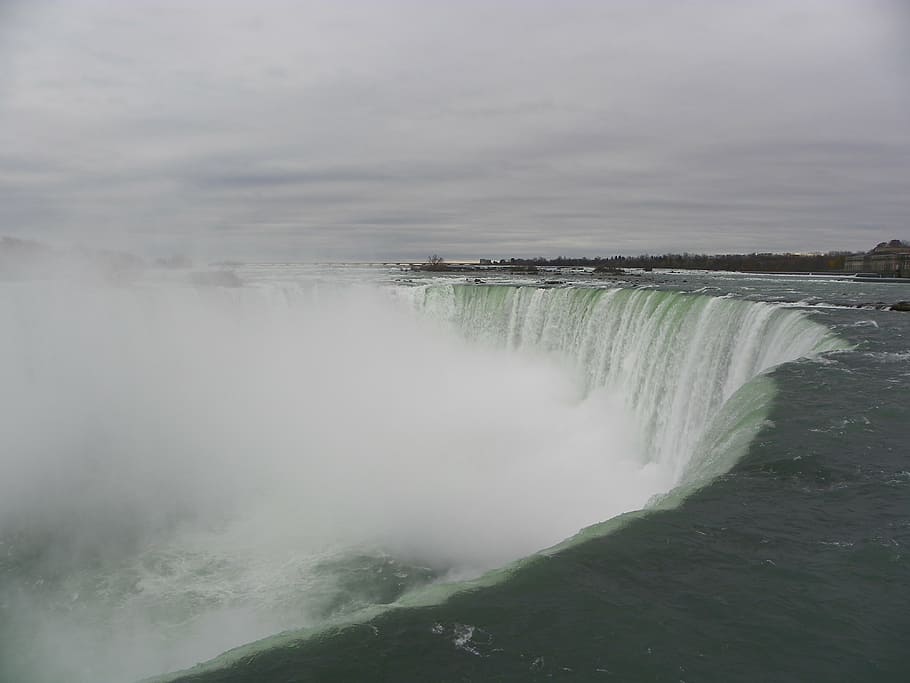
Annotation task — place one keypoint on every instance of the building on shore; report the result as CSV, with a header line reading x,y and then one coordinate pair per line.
x,y
889,259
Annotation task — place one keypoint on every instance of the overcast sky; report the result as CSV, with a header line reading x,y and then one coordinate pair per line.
x,y
350,130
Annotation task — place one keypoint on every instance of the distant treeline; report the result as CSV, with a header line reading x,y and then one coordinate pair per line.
x,y
798,263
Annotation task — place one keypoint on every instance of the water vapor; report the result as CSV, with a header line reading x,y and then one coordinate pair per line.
x,y
188,469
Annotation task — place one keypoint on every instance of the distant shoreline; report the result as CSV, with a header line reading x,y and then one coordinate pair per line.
x,y
874,263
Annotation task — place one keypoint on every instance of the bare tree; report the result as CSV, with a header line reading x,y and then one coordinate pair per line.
x,y
434,262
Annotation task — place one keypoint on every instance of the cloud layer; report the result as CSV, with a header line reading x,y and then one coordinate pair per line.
x,y
389,130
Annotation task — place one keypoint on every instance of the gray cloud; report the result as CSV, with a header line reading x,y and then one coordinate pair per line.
x,y
391,130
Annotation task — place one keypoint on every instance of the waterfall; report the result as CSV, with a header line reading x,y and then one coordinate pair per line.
x,y
675,359
191,469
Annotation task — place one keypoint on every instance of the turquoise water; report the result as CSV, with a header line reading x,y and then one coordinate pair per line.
x,y
765,445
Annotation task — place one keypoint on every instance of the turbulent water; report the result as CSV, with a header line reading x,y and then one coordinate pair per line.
x,y
386,480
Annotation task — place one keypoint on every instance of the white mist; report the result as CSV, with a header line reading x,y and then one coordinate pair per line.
x,y
178,462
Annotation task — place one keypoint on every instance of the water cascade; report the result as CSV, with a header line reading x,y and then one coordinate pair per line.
x,y
675,359
190,469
